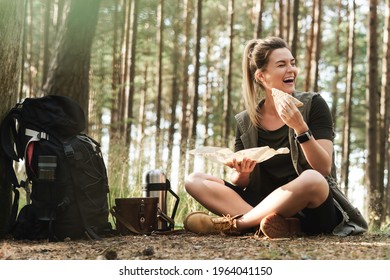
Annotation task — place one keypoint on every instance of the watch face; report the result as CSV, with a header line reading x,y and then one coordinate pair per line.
x,y
304,137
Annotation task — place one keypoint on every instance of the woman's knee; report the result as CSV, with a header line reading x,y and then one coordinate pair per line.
x,y
315,185
314,177
192,180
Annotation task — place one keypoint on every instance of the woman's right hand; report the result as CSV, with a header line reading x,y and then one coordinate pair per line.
x,y
245,166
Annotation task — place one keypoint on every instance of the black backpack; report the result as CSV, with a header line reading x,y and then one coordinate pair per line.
x,y
69,185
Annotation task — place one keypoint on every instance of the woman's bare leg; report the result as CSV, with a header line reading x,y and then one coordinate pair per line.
x,y
212,193
310,190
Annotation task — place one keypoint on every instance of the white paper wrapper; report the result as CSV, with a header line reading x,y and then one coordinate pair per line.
x,y
225,155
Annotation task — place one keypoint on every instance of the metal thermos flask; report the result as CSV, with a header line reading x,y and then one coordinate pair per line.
x,y
44,187
157,185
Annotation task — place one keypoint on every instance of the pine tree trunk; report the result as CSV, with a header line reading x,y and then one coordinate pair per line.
x,y
281,18
46,33
140,159
184,94
114,130
309,49
259,19
335,97
195,100
160,33
69,71
124,76
385,114
295,35
228,88
317,46
207,110
346,141
131,78
11,24
375,195
174,92
115,79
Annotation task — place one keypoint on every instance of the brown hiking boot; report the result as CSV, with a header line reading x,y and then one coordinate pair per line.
x,y
275,226
201,222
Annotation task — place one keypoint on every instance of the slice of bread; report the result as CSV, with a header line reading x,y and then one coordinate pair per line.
x,y
278,95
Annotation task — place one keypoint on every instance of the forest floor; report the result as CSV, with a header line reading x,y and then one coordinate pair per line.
x,y
188,246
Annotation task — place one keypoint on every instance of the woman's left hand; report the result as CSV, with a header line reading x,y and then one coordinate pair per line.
x,y
245,166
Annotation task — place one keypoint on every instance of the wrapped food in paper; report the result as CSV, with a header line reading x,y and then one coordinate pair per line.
x,y
226,156
278,95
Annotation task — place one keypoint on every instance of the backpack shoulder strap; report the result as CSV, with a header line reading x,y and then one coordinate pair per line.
x,y
11,143
12,128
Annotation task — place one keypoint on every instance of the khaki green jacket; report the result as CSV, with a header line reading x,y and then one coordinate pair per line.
x,y
353,221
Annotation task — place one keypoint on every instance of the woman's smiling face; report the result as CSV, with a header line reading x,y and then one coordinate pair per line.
x,y
280,72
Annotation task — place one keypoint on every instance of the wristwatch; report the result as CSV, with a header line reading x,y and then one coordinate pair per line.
x,y
302,138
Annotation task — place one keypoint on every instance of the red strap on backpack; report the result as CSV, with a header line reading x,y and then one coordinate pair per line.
x,y
29,156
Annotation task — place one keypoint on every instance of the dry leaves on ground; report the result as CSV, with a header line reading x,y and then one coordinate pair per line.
x,y
186,246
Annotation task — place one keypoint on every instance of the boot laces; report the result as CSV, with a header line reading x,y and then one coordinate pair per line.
x,y
225,223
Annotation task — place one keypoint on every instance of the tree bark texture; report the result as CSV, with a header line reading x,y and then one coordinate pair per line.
x,y
184,124
346,141
133,55
195,99
160,38
227,106
335,91
384,149
174,91
375,195
11,24
316,47
259,19
69,70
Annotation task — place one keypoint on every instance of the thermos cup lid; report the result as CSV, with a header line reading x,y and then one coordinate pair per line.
x,y
155,176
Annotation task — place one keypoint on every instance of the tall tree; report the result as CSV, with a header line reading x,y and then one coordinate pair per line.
x,y
259,19
184,128
309,48
174,88
131,79
335,92
228,78
23,54
195,99
116,74
141,123
317,45
123,95
286,31
295,35
160,39
207,109
69,70
31,56
375,194
346,136
11,24
46,41
384,150
281,18
116,92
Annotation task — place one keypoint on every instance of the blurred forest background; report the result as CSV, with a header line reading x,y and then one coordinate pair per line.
x,y
158,78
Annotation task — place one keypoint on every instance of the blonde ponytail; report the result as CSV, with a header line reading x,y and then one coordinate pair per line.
x,y
256,57
251,89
